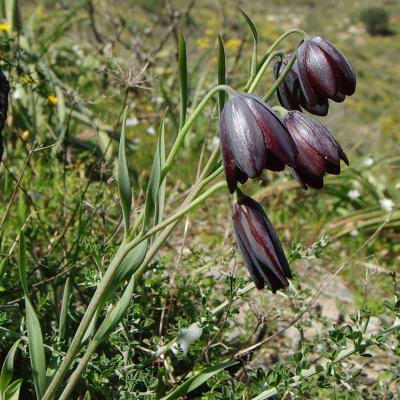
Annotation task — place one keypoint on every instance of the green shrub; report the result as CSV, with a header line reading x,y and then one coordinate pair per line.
x,y
376,21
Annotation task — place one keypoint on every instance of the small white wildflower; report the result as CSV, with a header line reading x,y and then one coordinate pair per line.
x,y
355,233
17,94
187,337
147,30
368,162
354,194
151,131
159,100
132,121
387,204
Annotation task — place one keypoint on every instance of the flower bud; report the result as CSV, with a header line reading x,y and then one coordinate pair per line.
x,y
319,152
324,72
252,138
259,245
290,94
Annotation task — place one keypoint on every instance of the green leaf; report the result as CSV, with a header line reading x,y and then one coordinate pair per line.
x,y
124,184
12,391
118,311
221,73
7,368
253,68
152,199
64,308
129,265
36,349
161,189
182,78
35,338
198,380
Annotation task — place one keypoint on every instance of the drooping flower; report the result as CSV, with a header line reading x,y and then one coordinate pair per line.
x,y
319,152
253,138
259,245
290,94
324,72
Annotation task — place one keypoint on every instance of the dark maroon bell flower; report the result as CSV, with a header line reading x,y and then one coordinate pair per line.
x,y
324,72
259,245
253,138
319,152
290,94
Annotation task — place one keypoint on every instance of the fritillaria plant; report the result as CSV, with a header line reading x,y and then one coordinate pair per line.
x,y
253,136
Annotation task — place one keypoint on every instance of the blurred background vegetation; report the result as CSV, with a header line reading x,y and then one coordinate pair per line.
x,y
73,66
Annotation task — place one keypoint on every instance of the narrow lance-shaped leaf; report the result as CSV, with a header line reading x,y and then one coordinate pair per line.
x,y
64,308
197,380
253,67
152,200
221,73
35,338
7,368
182,78
116,314
36,349
161,189
124,184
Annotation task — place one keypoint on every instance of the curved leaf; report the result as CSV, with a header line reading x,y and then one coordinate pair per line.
x,y
253,68
7,368
12,391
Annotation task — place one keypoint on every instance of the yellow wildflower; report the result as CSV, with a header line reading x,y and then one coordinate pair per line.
x,y
53,101
4,27
26,134
203,43
233,44
210,32
25,79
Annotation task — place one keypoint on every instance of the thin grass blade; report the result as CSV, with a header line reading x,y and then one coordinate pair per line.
x,y
182,78
221,73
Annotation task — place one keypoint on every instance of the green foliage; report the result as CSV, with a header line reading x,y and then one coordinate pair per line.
x,y
71,79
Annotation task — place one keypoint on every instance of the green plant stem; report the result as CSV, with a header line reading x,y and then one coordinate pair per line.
x,y
269,54
282,76
188,124
308,373
107,279
261,71
79,369
85,322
